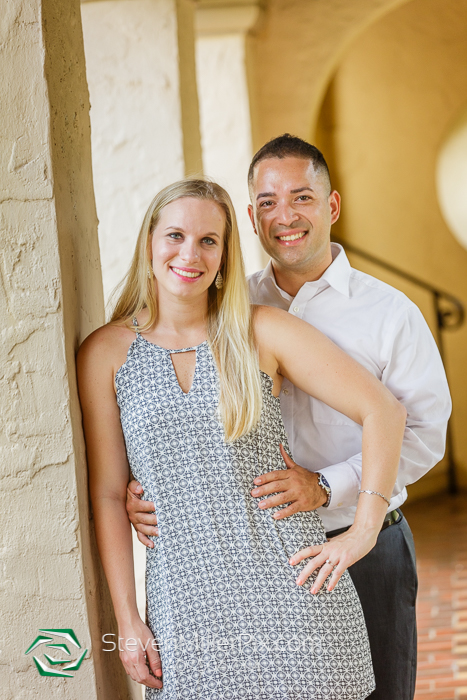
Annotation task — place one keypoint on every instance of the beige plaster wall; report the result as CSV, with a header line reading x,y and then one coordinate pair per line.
x,y
51,297
394,97
144,113
225,109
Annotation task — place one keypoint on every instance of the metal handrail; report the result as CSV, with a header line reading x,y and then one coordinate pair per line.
x,y
449,314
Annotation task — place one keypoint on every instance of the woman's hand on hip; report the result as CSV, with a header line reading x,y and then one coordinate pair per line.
x,y
139,654
334,557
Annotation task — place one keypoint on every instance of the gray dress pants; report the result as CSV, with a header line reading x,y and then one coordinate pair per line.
x,y
386,581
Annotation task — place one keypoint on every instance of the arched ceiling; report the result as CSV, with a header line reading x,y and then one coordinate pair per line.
x,y
296,48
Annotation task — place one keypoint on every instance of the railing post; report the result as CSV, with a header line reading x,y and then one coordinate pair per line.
x,y
453,487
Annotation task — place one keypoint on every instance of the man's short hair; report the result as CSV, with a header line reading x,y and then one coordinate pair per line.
x,y
288,146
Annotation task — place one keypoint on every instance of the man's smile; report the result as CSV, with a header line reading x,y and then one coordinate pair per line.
x,y
290,238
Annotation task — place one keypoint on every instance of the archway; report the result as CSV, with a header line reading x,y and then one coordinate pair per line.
x,y
386,110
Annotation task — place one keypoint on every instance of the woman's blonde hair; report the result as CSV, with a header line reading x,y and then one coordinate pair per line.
x,y
230,332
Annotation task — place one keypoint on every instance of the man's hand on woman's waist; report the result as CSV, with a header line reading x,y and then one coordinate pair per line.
x,y
295,485
141,514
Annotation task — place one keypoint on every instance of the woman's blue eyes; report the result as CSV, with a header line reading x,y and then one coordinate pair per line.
x,y
176,236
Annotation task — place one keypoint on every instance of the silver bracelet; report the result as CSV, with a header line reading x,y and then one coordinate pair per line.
x,y
376,493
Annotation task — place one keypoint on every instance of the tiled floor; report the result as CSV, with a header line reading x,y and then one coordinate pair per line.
x,y
440,531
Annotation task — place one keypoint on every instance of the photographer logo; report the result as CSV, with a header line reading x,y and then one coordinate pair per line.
x,y
54,643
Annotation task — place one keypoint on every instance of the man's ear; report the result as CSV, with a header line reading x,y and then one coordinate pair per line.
x,y
252,218
334,205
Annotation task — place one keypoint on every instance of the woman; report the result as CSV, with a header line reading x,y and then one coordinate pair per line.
x,y
181,388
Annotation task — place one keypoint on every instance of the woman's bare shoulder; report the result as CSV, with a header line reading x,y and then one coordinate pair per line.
x,y
267,314
268,319
275,329
269,324
107,345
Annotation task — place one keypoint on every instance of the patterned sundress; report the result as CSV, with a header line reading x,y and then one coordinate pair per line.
x,y
222,601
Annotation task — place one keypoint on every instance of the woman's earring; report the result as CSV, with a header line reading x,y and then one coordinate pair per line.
x,y
219,280
149,272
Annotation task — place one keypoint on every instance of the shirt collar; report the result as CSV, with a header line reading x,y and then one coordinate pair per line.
x,y
337,275
267,273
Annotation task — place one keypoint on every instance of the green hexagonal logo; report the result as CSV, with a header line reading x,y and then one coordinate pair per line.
x,y
55,641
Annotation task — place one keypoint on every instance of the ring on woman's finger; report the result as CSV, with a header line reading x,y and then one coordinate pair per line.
x,y
328,561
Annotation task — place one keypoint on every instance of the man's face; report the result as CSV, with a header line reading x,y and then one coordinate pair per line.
x,y
292,212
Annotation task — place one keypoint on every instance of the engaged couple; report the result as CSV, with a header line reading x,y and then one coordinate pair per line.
x,y
271,428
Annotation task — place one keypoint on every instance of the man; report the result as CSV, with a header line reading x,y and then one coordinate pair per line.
x,y
292,210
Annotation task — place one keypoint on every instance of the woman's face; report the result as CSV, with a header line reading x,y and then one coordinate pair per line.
x,y
187,246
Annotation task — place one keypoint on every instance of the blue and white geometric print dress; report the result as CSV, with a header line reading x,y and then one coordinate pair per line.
x,y
222,601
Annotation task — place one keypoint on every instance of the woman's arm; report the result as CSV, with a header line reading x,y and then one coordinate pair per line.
x,y
293,349
109,474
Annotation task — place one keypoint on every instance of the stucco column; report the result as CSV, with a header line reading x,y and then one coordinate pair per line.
x,y
225,107
50,298
140,65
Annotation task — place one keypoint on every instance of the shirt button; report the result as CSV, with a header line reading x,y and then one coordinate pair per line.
x,y
296,309
285,391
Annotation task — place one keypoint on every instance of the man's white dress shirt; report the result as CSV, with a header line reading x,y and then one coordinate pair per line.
x,y
382,329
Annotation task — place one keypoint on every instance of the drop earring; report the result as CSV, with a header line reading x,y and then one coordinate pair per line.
x,y
219,282
149,272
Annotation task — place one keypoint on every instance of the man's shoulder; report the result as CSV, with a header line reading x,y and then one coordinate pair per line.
x,y
365,285
362,287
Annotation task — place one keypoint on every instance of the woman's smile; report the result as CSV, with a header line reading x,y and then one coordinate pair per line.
x,y
186,274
